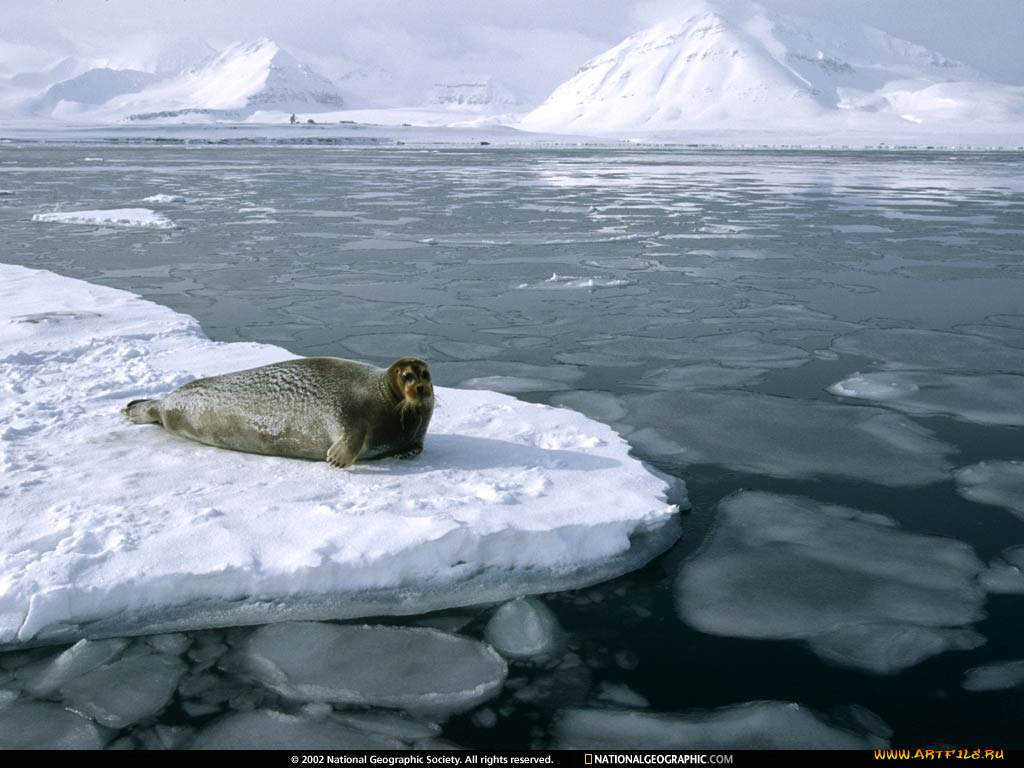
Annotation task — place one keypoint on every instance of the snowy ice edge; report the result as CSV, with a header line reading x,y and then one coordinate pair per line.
x,y
56,602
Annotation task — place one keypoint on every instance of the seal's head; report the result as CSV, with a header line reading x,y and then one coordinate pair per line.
x,y
409,380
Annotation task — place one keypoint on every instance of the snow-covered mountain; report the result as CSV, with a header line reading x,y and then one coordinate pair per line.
x,y
64,69
189,79
736,66
91,88
246,77
183,55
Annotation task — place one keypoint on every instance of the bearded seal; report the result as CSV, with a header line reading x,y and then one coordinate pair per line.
x,y
310,408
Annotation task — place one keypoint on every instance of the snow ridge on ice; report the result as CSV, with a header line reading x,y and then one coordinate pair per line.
x,y
142,218
109,528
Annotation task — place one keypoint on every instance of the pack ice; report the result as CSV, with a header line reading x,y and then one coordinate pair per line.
x,y
108,528
859,591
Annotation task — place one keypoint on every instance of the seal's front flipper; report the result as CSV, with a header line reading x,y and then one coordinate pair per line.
x,y
345,451
411,452
142,411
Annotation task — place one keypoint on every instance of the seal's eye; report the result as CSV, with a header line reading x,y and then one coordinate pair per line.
x,y
408,376
426,376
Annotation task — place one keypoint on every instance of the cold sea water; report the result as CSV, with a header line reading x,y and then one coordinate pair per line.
x,y
828,346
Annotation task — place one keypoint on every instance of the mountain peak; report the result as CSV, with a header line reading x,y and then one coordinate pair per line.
x,y
733,64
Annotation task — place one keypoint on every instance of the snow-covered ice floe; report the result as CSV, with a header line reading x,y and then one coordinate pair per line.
x,y
860,592
164,198
108,528
141,218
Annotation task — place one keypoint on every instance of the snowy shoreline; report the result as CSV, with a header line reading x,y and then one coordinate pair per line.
x,y
113,529
392,131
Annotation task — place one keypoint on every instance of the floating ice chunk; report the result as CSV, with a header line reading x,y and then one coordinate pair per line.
x,y
995,399
266,729
788,567
45,677
742,349
571,282
162,198
698,376
144,218
166,737
389,724
758,725
888,648
417,669
34,725
1001,578
995,677
173,644
6,192
1000,483
1006,573
512,384
603,406
126,691
501,502
906,348
747,349
485,718
622,695
783,437
524,628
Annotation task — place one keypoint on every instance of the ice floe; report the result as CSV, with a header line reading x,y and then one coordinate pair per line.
x,y
268,729
524,628
415,669
47,676
860,591
570,282
1000,483
143,218
109,528
126,691
390,724
37,725
907,348
621,695
1005,574
788,438
992,399
757,725
164,198
995,677
885,648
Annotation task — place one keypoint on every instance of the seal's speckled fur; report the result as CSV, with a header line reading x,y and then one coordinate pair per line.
x,y
311,408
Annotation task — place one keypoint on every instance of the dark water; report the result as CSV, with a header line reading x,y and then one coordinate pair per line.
x,y
701,302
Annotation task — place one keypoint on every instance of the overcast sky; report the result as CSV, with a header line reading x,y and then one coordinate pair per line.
x,y
532,45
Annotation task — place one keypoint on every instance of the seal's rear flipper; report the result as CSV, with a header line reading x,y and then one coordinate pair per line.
x,y
143,411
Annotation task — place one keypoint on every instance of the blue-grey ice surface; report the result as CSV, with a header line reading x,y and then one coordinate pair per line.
x,y
859,591
702,302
